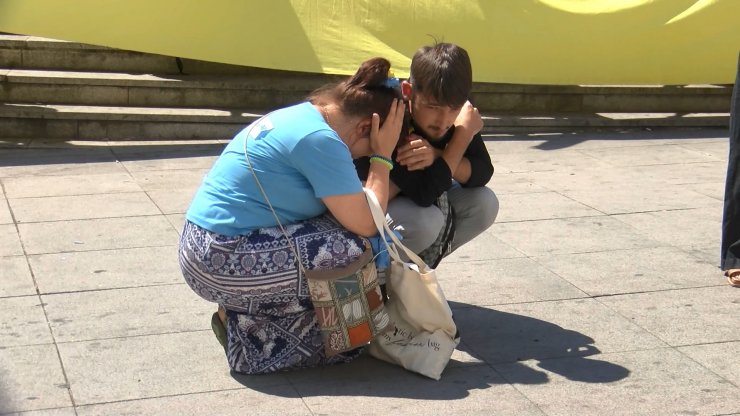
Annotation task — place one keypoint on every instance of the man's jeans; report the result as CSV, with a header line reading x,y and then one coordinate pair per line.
x,y
475,210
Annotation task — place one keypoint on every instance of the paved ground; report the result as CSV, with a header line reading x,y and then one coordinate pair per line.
x,y
596,293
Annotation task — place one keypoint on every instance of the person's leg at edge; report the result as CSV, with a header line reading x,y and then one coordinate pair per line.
x,y
419,226
475,211
730,247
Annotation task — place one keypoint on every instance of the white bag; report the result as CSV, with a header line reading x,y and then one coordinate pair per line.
x,y
424,335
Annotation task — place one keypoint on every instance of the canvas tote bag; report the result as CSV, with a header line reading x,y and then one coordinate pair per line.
x,y
424,333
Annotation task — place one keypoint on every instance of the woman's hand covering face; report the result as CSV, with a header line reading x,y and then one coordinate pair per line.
x,y
383,138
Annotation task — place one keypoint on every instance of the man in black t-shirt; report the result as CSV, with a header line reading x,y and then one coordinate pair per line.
x,y
443,153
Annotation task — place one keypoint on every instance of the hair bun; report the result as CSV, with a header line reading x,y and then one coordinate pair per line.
x,y
373,73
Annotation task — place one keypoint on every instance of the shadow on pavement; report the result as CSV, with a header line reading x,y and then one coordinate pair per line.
x,y
566,138
6,404
498,342
62,152
71,154
505,339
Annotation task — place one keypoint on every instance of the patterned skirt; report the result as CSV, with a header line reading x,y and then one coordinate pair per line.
x,y
271,324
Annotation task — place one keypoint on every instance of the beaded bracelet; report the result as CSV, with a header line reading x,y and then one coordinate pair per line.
x,y
382,159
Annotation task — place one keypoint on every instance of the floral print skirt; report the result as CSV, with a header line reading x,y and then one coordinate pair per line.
x,y
271,324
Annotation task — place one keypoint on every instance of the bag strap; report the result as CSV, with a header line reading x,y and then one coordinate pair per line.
x,y
375,209
384,229
442,245
264,195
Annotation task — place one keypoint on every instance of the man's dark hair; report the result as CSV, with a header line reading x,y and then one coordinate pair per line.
x,y
442,71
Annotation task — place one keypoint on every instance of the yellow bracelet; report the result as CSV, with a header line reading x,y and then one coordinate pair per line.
x,y
379,159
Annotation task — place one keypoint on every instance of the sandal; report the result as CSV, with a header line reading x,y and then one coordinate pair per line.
x,y
733,277
218,325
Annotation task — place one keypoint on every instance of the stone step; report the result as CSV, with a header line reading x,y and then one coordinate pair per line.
x,y
144,90
270,91
560,122
204,82
65,122
603,98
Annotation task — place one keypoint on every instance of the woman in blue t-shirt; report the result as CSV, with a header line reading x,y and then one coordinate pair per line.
x,y
231,252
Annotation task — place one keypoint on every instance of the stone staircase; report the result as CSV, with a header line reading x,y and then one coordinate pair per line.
x,y
70,91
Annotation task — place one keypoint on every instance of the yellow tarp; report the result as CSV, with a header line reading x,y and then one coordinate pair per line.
x,y
510,41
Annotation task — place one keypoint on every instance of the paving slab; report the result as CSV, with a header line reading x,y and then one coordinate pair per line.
x,y
10,244
121,313
169,180
499,281
62,411
683,316
596,292
657,154
281,399
148,367
543,161
61,185
30,162
708,254
632,270
475,390
5,216
639,196
570,235
683,174
679,228
658,381
543,206
97,234
32,378
82,207
514,183
716,150
168,156
612,138
105,269
24,322
169,202
488,247
15,280
169,162
615,191
177,221
714,357
714,190
542,330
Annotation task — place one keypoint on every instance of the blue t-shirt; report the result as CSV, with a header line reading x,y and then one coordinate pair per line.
x,y
298,160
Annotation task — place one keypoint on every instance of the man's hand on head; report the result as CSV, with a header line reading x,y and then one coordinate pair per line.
x,y
469,120
417,153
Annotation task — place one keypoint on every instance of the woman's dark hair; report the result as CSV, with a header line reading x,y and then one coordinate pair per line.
x,y
363,94
443,72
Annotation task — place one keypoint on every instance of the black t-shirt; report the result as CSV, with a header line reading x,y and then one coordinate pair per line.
x,y
426,185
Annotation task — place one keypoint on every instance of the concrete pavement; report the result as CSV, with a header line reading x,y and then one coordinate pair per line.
x,y
596,292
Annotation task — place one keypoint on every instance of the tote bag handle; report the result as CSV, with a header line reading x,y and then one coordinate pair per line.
x,y
385,230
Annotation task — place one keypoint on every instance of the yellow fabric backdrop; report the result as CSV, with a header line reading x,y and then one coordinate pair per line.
x,y
510,41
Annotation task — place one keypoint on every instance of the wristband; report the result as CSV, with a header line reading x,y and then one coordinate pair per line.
x,y
382,159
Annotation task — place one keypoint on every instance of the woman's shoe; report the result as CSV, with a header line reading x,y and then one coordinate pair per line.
x,y
219,328
733,277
